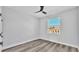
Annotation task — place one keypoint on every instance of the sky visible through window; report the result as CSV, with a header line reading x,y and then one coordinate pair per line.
x,y
54,22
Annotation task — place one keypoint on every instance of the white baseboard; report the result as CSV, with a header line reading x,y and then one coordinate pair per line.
x,y
75,46
40,38
19,43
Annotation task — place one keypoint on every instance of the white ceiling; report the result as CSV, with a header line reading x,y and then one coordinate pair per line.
x,y
32,9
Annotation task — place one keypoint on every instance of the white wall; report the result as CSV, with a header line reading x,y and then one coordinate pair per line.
x,y
78,22
70,27
69,30
18,27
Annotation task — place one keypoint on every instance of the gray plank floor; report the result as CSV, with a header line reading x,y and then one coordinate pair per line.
x,y
40,45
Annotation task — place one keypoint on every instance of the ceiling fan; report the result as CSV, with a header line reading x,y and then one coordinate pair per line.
x,y
41,10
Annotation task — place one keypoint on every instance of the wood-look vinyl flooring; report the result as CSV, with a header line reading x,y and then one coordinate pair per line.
x,y
40,45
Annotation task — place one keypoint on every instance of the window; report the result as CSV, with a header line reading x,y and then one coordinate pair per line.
x,y
54,25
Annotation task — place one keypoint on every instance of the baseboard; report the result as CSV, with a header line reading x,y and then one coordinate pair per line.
x,y
60,42
40,38
19,43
